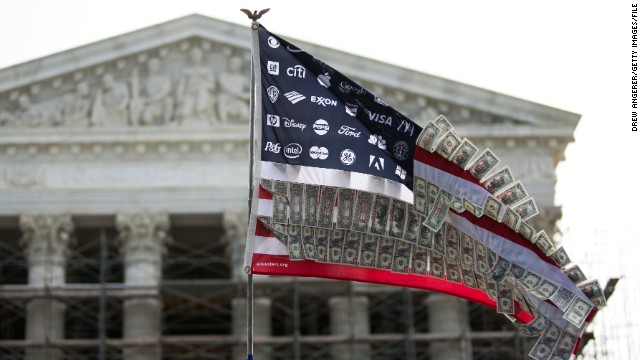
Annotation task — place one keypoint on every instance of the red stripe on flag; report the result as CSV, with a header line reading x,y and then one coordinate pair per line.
x,y
437,161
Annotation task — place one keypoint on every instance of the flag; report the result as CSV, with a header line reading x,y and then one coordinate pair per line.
x,y
346,187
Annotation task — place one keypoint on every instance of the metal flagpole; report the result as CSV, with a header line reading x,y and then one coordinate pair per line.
x,y
255,110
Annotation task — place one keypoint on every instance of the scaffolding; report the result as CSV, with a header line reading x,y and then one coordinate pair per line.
x,y
197,293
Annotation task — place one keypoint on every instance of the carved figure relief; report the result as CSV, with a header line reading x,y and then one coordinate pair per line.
x,y
195,90
151,103
27,114
233,102
74,108
110,104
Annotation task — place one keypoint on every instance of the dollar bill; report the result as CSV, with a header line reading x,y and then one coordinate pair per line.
x,y
492,288
468,276
466,250
280,209
481,281
419,260
575,274
472,208
543,242
432,195
327,204
266,220
280,232
439,242
492,259
457,204
380,215
280,187
385,253
562,298
308,243
546,343
322,244
500,269
526,230
311,194
295,202
511,219
577,312
362,212
594,292
420,195
560,257
498,180
545,289
336,243
480,252
530,280
425,238
401,257
346,201
535,327
398,218
438,213
295,242
443,123
351,249
452,243
564,347
481,166
412,230
518,296
526,209
492,207
464,153
436,263
505,299
453,271
369,251
512,194
266,184
430,133
450,142
517,271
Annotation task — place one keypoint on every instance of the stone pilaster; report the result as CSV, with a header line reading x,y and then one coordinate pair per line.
x,y
144,238
261,326
47,240
445,316
342,319
235,238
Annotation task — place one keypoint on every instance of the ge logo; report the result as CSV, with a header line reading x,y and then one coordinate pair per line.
x,y
347,156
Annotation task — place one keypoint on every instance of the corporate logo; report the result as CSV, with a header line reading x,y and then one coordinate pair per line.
x,y
346,88
402,173
324,79
292,150
323,101
272,147
406,127
380,101
290,123
347,157
297,71
319,153
293,50
376,162
380,118
401,150
351,109
294,96
273,67
321,126
349,131
273,93
273,120
378,141
273,42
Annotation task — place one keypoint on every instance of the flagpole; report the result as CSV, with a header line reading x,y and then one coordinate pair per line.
x,y
254,127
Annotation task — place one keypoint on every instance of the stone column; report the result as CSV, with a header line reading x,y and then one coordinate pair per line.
x,y
143,238
235,238
47,240
261,326
342,318
445,317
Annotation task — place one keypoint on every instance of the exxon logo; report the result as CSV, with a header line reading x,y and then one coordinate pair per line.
x,y
323,101
293,150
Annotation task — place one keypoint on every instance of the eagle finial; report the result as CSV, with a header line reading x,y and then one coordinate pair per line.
x,y
255,15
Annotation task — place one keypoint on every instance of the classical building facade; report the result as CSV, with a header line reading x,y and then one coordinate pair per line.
x,y
123,204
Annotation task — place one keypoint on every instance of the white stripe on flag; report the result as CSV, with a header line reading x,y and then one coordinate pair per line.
x,y
269,246
451,183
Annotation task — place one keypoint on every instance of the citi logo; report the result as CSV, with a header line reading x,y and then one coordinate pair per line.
x,y
319,153
293,150
321,126
297,71
294,96
323,101
272,147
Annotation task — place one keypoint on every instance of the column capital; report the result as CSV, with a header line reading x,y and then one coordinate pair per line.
x,y
47,239
143,234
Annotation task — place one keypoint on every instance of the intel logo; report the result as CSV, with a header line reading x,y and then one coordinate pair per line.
x,y
293,150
